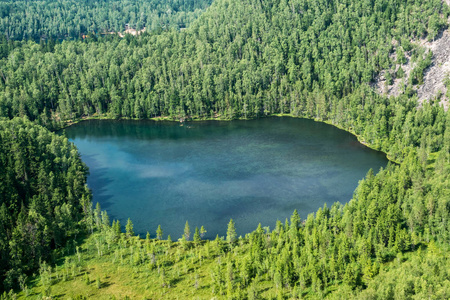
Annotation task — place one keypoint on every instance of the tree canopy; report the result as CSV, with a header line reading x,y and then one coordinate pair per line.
x,y
68,19
43,197
243,59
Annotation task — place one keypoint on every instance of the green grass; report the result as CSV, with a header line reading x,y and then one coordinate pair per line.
x,y
171,275
129,269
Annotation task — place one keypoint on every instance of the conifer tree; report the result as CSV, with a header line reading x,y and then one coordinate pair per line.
x,y
231,233
197,236
117,229
159,232
129,228
187,231
202,232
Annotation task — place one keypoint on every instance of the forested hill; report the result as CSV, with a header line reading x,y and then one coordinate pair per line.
x,y
239,59
245,59
64,19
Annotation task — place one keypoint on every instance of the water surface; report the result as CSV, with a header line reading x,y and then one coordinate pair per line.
x,y
253,171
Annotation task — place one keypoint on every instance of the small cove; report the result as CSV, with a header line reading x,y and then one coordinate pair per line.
x,y
254,171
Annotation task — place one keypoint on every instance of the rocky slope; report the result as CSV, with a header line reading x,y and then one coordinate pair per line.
x,y
437,73
434,76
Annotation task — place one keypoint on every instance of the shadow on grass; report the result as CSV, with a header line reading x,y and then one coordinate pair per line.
x,y
58,296
105,284
175,281
68,250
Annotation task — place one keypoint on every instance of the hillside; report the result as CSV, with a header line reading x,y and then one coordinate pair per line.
x,y
250,59
43,197
69,19
436,75
163,270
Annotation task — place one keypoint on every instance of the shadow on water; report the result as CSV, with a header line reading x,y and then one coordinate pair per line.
x,y
162,173
240,207
98,181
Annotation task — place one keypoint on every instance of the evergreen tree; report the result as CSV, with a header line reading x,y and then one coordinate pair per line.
x,y
187,231
117,229
129,228
231,233
197,237
159,233
202,232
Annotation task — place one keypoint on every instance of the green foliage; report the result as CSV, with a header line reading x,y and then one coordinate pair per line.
x,y
159,232
241,59
400,72
231,233
202,231
187,231
22,19
197,237
129,228
116,229
42,197
401,58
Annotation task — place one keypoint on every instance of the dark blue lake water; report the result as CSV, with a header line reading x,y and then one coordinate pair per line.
x,y
253,171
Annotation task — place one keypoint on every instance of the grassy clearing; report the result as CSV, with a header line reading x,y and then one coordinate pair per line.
x,y
137,269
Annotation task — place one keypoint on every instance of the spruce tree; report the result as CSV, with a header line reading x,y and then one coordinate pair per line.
x,y
117,229
197,236
231,232
159,232
202,231
187,231
129,228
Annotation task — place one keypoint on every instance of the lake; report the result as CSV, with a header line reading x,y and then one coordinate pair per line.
x,y
255,171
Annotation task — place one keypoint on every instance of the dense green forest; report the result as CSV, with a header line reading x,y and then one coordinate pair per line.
x,y
64,19
247,59
43,196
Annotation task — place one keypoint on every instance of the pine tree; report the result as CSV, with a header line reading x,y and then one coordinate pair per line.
x,y
117,229
197,236
159,232
202,231
129,228
105,220
231,233
295,223
187,231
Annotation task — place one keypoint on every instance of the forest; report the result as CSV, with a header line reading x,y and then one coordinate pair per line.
x,y
44,200
238,59
71,19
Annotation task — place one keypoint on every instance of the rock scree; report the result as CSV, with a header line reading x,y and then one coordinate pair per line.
x,y
434,76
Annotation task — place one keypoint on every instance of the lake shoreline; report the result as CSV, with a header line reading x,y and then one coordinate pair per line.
x,y
308,146
361,140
